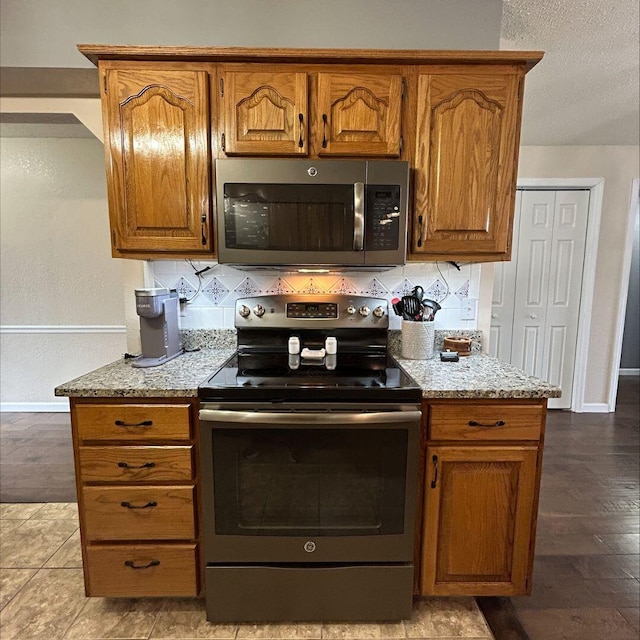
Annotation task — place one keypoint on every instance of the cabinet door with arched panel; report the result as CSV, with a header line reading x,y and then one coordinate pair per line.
x,y
359,114
468,130
158,157
265,111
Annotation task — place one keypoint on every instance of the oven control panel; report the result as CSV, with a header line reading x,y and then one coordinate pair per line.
x,y
312,311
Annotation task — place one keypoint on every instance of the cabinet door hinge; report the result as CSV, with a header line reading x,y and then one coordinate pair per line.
x,y
401,144
104,82
113,237
402,90
223,142
222,87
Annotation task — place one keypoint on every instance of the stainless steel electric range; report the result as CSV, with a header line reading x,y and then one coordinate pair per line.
x,y
309,443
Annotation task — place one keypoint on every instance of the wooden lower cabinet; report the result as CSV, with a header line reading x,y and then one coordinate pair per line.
x,y
480,497
137,496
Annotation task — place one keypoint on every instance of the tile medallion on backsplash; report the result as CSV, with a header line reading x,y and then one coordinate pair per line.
x,y
405,288
343,287
248,287
184,288
311,286
375,289
437,291
279,287
463,292
215,291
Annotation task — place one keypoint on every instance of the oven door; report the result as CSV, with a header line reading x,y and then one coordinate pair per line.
x,y
309,483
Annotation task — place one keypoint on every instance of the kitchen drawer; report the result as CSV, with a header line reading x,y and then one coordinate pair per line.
x,y
136,464
474,421
139,513
133,421
172,570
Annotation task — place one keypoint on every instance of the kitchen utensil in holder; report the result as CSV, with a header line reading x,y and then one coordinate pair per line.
x,y
417,340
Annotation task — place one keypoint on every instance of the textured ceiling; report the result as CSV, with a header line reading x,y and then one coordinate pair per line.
x,y
586,89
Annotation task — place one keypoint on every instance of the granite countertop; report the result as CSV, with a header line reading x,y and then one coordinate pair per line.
x,y
476,376
179,377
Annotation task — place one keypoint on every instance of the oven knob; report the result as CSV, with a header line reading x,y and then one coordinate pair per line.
x,y
378,312
258,310
351,309
364,311
244,311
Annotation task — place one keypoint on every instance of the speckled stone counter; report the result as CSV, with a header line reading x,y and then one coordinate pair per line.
x,y
476,376
179,377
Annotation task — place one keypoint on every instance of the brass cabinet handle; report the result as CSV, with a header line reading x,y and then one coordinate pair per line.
x,y
434,482
497,423
133,565
300,139
146,465
128,505
144,423
324,130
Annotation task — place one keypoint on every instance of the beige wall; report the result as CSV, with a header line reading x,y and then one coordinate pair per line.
x,y
61,296
618,166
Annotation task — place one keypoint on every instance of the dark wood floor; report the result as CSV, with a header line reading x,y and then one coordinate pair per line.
x,y
586,579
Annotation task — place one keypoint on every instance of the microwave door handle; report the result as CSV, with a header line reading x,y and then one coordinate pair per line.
x,y
358,216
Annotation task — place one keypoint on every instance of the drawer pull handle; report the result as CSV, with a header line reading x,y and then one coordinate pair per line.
x,y
434,482
497,423
133,565
128,505
146,465
144,423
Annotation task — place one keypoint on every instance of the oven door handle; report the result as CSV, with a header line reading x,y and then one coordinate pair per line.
x,y
313,419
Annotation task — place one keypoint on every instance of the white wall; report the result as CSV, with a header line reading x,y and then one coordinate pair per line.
x,y
61,296
40,33
618,166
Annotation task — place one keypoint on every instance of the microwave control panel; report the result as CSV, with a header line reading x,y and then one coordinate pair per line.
x,y
382,217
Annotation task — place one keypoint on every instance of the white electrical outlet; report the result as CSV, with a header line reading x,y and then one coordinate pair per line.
x,y
469,309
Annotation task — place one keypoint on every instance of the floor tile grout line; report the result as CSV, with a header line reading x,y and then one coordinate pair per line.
x,y
6,604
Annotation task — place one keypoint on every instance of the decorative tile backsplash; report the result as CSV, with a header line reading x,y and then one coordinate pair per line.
x,y
211,298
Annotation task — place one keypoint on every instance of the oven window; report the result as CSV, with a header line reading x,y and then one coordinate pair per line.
x,y
288,217
287,482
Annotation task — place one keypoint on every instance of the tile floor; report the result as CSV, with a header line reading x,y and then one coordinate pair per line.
x,y
42,596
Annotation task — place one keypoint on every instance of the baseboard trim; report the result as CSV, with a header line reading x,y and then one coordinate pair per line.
x,y
35,407
629,372
596,407
62,328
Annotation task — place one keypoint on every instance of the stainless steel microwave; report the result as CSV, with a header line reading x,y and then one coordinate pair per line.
x,y
312,213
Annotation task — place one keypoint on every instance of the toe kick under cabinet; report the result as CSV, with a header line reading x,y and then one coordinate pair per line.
x,y
136,486
482,463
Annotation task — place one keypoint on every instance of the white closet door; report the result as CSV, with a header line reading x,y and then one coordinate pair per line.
x,y
532,277
504,287
539,290
563,294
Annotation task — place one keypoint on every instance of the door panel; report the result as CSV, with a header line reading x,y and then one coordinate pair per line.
x,y
547,265
504,291
478,510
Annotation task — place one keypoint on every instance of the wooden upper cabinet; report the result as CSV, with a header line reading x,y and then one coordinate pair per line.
x,y
274,110
265,112
157,145
359,114
468,130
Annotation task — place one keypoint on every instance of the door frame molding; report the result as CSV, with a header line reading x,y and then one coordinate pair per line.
x,y
596,187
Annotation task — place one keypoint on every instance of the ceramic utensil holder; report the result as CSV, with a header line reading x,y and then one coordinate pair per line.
x,y
417,340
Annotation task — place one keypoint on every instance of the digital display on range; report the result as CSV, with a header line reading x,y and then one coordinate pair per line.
x,y
315,310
